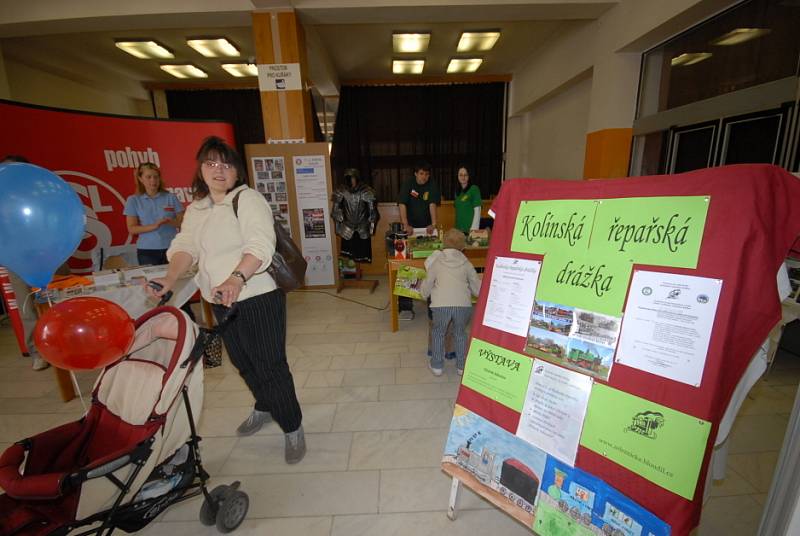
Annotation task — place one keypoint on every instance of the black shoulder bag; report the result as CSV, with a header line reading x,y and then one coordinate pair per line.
x,y
288,267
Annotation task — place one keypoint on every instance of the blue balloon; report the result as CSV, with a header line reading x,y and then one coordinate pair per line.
x,y
42,221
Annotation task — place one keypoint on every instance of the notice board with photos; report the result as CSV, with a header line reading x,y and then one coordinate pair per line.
x,y
295,180
615,320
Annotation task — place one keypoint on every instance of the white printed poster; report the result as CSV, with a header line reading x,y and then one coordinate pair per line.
x,y
667,327
511,292
554,409
311,187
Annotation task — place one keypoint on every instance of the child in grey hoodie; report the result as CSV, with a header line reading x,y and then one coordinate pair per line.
x,y
451,282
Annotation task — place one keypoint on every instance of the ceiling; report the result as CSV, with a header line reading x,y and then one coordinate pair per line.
x,y
344,43
92,58
364,51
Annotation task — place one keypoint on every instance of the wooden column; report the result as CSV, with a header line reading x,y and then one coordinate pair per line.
x,y
279,39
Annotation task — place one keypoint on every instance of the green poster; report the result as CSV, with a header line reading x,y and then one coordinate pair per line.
x,y
662,445
584,281
558,225
497,373
662,231
552,522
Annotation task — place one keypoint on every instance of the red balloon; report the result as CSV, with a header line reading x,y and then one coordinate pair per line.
x,y
84,333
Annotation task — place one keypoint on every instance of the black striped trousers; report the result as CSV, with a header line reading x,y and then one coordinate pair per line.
x,y
256,343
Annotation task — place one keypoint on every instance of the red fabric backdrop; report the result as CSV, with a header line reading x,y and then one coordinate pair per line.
x,y
97,154
753,219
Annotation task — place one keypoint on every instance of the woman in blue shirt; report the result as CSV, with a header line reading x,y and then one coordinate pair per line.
x,y
154,214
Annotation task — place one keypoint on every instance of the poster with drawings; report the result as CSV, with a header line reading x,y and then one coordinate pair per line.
x,y
270,178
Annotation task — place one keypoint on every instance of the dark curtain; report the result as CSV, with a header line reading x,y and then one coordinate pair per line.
x,y
240,107
317,129
385,131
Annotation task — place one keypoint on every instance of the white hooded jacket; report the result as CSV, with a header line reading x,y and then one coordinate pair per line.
x,y
451,280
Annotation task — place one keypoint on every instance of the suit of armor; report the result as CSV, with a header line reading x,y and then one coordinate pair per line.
x,y
355,211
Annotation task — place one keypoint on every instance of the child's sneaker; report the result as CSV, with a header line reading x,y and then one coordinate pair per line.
x,y
460,372
435,371
448,355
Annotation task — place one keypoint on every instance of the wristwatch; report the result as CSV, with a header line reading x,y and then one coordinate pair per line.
x,y
240,275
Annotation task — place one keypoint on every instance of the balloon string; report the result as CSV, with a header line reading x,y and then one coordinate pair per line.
x,y
75,384
78,390
27,301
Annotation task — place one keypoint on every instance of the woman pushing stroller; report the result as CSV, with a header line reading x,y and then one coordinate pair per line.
x,y
232,248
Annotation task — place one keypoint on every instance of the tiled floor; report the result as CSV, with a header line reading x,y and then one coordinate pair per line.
x,y
376,421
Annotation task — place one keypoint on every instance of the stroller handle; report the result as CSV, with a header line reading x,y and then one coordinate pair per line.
x,y
158,286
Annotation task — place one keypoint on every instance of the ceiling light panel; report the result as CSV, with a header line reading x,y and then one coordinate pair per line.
x,y
689,58
477,41
145,49
213,47
184,71
408,66
410,43
464,65
739,36
241,69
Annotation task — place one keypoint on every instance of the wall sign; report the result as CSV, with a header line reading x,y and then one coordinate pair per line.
x,y
279,77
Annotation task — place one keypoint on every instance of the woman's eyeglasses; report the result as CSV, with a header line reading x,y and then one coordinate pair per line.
x,y
213,164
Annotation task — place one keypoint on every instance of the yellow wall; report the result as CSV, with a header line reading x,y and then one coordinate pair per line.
x,y
548,141
30,85
4,91
610,49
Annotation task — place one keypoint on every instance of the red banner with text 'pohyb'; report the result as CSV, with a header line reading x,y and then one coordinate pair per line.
x,y
98,154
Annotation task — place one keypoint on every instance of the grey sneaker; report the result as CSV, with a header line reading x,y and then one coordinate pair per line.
x,y
295,446
253,423
406,315
39,363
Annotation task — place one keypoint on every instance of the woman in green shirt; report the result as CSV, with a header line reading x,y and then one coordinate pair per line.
x,y
467,202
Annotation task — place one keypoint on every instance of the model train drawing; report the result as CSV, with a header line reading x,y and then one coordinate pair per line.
x,y
519,483
511,478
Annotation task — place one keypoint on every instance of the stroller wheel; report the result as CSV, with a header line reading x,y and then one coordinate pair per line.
x,y
232,511
208,511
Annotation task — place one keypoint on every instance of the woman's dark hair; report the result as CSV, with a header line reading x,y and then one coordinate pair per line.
x,y
422,166
216,147
15,158
459,189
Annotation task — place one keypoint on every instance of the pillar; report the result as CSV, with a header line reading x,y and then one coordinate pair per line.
x,y
279,41
612,107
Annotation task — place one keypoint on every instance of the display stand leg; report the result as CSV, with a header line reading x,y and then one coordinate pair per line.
x,y
208,316
393,298
65,387
452,509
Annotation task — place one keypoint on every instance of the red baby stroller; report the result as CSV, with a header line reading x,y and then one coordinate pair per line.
x,y
136,451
